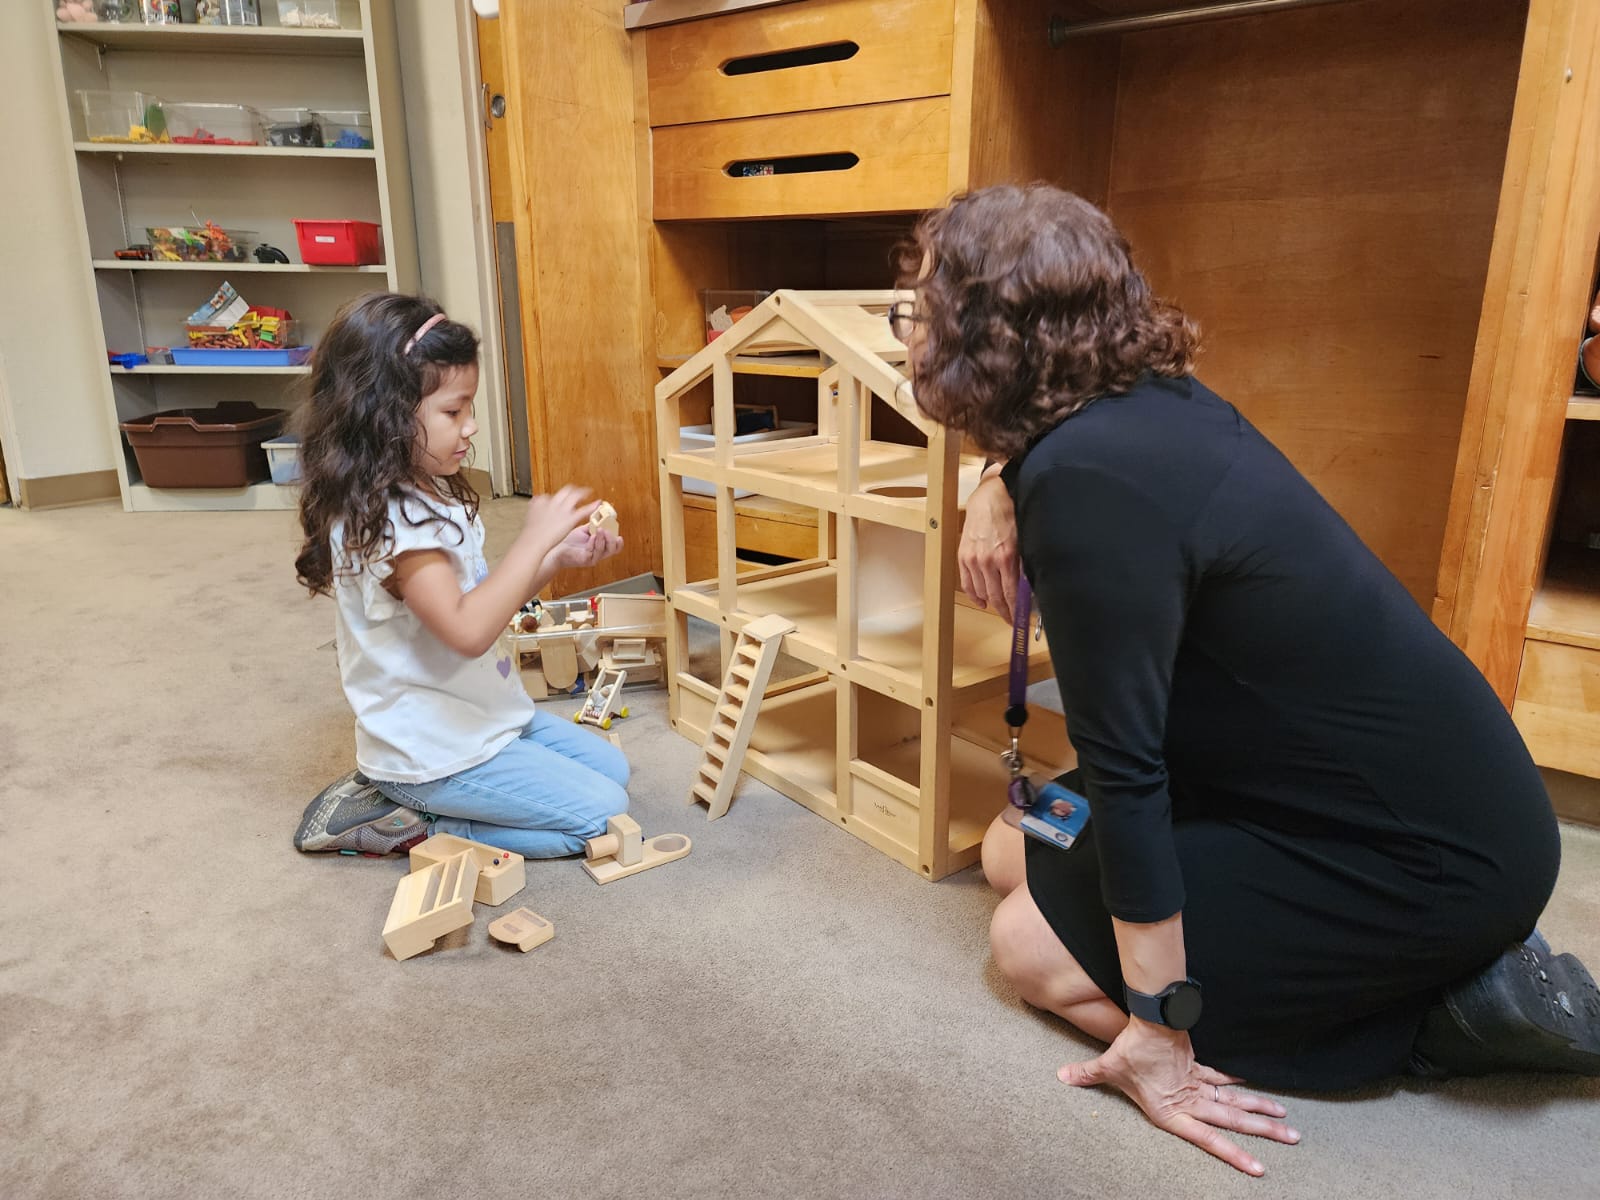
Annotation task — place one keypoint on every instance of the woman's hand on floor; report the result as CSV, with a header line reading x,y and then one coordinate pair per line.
x,y
1155,1068
987,554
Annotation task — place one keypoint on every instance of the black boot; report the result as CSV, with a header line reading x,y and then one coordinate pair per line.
x,y
1529,1010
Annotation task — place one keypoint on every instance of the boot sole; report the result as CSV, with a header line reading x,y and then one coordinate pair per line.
x,y
1533,1012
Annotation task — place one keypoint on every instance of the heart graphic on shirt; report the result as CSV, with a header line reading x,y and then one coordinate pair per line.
x,y
504,667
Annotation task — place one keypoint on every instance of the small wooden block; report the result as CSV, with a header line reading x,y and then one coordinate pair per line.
x,y
605,517
560,658
429,904
522,928
663,848
501,874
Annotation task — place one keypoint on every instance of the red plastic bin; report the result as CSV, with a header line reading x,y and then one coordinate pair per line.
x,y
339,243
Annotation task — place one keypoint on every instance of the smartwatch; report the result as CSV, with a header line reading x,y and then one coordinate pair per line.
x,y
1177,1006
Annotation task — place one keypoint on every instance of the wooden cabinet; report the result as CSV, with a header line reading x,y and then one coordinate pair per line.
x,y
1320,203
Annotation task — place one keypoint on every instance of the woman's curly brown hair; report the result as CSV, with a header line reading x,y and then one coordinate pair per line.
x,y
360,438
1030,308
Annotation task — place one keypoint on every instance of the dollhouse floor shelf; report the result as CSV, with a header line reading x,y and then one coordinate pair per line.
x,y
889,645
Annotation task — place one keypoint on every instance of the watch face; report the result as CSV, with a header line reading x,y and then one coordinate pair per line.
x,y
1182,1007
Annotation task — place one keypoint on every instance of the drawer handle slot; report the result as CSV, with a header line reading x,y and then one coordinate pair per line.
x,y
795,164
783,60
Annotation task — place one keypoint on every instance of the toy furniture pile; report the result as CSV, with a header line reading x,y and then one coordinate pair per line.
x,y
450,874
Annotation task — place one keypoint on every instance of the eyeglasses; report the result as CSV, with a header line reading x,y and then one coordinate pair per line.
x,y
901,318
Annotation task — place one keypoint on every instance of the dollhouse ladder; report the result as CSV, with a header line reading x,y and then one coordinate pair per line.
x,y
734,717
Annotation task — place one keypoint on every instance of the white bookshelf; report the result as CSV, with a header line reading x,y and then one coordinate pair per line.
x,y
125,188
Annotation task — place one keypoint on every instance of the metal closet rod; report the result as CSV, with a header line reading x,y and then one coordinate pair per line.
x,y
1063,30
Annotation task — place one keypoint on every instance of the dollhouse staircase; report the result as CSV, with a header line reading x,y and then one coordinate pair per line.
x,y
734,717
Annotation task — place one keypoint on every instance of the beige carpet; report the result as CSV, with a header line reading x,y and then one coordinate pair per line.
x,y
188,1008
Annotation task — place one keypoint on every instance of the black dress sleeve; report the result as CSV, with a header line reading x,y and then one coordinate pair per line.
x,y
1111,582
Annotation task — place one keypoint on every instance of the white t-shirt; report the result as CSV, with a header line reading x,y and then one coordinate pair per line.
x,y
423,711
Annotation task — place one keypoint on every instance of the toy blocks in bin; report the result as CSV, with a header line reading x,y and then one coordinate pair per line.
x,y
339,243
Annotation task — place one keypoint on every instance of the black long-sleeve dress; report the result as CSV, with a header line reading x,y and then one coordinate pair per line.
x,y
1274,739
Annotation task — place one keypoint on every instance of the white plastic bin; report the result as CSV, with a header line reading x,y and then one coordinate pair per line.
x,y
701,437
283,458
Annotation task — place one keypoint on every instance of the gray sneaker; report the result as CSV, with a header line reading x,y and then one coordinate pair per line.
x,y
353,816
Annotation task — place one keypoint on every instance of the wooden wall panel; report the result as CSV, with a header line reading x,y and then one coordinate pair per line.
x,y
1318,188
581,264
1039,113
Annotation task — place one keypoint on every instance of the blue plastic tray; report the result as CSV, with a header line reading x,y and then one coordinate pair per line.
x,y
289,356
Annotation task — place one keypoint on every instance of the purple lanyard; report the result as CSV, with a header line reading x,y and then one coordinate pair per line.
x,y
1019,790
1021,619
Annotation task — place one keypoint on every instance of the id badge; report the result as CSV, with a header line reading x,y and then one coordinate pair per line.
x,y
1058,816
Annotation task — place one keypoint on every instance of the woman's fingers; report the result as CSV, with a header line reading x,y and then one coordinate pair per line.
x,y
1212,1075
1089,1073
1214,1142
1251,1103
1239,1119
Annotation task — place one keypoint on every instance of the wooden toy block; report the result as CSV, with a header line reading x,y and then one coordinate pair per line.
x,y
663,848
501,874
622,841
605,517
632,614
522,928
429,904
560,658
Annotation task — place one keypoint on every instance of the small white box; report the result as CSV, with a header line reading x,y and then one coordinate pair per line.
x,y
283,457
700,437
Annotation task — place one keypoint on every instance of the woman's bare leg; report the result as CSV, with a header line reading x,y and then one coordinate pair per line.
x,y
1003,857
1028,952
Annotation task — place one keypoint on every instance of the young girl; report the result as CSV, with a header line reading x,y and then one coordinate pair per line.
x,y
446,738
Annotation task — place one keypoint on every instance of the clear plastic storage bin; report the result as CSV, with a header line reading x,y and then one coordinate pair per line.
x,y
283,458
122,117
87,12
308,14
292,127
213,124
177,243
227,12
346,129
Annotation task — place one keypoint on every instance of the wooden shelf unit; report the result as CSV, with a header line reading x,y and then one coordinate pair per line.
x,y
126,188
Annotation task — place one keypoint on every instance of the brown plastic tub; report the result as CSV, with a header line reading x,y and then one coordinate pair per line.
x,y
216,447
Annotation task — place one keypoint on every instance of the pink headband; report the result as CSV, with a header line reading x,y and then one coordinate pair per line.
x,y
426,325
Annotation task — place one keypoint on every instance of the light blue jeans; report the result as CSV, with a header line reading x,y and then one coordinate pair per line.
x,y
542,796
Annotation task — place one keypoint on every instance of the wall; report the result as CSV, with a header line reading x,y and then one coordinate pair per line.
x,y
53,390
53,379
438,58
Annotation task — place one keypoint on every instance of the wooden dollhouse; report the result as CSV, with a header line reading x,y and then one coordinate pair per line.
x,y
888,720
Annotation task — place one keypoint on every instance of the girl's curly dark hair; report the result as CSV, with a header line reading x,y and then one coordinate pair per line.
x,y
1030,307
360,438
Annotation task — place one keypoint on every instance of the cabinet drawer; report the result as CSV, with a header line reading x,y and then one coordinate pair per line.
x,y
1558,706
822,54
879,158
